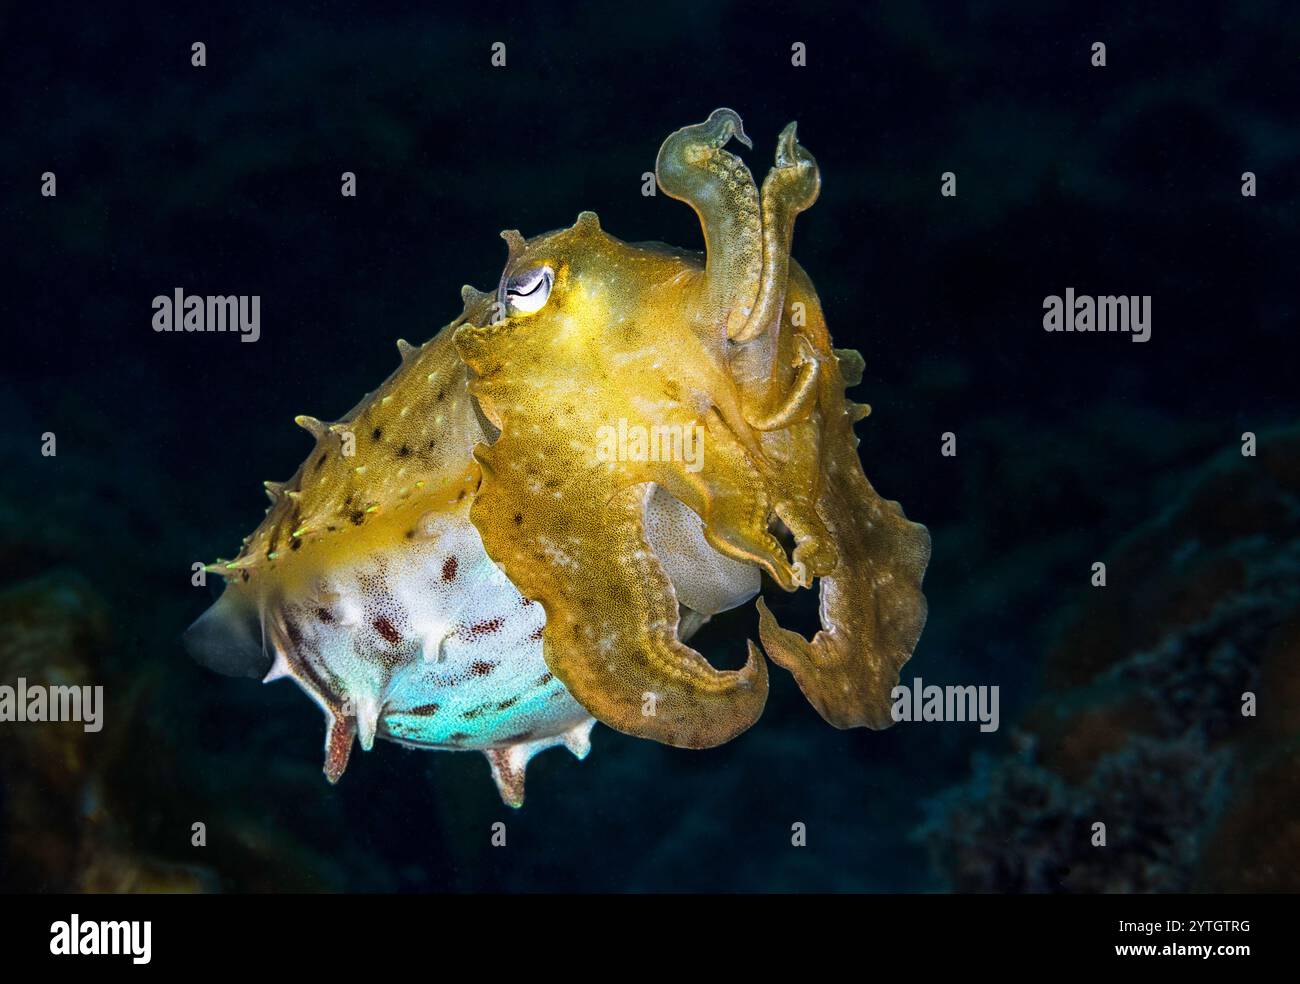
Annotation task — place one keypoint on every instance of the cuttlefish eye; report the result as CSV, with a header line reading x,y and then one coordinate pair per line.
x,y
526,292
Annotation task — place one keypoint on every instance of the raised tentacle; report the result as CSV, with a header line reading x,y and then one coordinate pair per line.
x,y
790,187
692,167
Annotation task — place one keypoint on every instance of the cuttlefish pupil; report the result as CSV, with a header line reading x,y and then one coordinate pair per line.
x,y
528,291
455,565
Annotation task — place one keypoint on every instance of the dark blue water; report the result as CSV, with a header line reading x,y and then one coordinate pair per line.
x,y
1117,180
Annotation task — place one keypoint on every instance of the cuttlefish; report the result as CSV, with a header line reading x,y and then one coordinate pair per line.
x,y
466,561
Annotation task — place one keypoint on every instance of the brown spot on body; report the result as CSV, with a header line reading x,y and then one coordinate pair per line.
x,y
519,519
425,710
486,628
404,451
449,568
456,737
385,629
536,636
377,433
358,517
507,703
481,668
324,615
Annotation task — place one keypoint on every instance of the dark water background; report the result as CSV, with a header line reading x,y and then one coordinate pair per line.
x,y
226,180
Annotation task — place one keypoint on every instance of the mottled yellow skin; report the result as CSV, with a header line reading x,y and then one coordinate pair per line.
x,y
496,421
411,443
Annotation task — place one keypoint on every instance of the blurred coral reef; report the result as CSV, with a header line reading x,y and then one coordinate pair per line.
x,y
60,835
1141,725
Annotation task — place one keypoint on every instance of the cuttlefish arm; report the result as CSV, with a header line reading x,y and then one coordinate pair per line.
x,y
872,608
693,167
869,557
872,611
791,187
798,402
568,530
